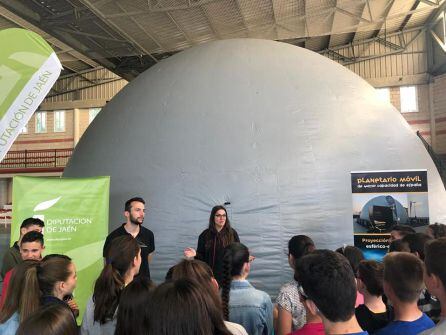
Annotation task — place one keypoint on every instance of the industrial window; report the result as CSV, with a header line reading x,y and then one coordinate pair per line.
x,y
408,98
40,122
383,94
92,113
59,121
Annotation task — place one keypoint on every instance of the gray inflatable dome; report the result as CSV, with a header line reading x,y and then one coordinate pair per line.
x,y
268,127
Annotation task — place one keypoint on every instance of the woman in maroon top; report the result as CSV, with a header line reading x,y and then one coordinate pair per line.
x,y
214,240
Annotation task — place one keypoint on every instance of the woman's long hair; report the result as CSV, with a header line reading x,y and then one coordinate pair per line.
x,y
199,271
182,307
133,311
54,319
41,279
235,256
16,292
107,289
226,236
193,269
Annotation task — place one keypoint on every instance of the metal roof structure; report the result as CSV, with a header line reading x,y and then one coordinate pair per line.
x,y
128,36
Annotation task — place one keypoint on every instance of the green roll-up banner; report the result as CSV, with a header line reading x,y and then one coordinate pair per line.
x,y
28,70
75,213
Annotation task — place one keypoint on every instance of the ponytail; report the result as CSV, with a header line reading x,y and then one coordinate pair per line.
x,y
107,289
234,257
23,294
30,296
226,283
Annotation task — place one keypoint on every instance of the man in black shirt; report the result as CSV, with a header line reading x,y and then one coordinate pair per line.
x,y
134,212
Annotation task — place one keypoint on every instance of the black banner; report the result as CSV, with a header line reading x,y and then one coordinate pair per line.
x,y
389,181
384,199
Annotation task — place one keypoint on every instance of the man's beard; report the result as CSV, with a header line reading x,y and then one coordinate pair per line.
x,y
135,221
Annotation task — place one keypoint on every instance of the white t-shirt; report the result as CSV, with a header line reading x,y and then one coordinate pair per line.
x,y
235,328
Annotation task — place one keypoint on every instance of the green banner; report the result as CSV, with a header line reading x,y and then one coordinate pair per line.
x,y
28,70
75,212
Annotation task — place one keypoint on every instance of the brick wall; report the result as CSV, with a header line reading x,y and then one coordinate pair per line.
x,y
48,140
51,139
421,121
395,97
84,120
440,114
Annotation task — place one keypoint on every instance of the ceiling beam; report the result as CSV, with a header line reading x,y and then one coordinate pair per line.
x,y
411,12
85,47
380,21
357,17
239,8
211,25
127,14
388,44
327,45
7,14
82,87
76,73
373,39
407,18
431,3
386,13
145,30
436,14
273,11
306,32
81,33
339,57
438,40
364,8
74,11
372,21
180,29
369,10
115,27
362,59
157,7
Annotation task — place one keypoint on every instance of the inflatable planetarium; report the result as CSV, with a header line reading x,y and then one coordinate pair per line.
x,y
270,129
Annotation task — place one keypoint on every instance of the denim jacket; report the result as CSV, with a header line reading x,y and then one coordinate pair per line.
x,y
10,326
251,308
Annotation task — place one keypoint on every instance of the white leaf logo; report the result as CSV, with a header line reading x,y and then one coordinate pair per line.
x,y
46,204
